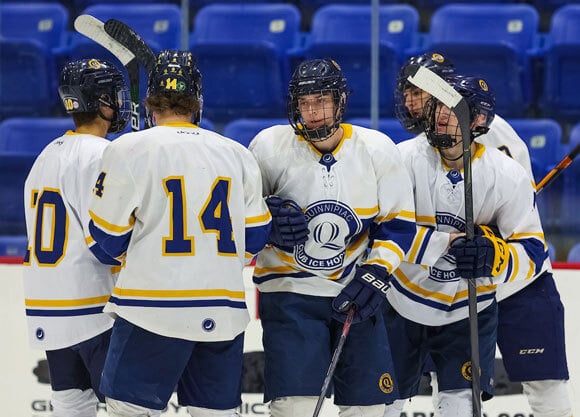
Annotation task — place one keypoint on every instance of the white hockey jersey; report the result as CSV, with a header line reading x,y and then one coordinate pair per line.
x,y
503,137
360,186
65,285
427,289
183,207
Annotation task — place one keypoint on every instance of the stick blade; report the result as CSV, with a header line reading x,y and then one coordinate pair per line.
x,y
94,29
127,37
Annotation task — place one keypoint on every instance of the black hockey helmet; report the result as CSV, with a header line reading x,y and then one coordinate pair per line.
x,y
87,84
480,99
317,76
176,71
432,61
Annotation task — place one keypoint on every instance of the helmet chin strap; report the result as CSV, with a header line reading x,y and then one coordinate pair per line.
x,y
319,134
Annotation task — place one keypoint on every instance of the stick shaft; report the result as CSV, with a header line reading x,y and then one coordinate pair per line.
x,y
557,170
334,361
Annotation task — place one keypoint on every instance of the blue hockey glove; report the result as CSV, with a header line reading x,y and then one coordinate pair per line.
x,y
289,227
367,291
485,256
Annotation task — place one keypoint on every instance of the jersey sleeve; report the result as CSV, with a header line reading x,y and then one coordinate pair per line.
x,y
258,218
519,222
394,227
113,204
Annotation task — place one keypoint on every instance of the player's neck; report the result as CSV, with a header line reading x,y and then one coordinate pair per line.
x,y
96,129
331,143
170,117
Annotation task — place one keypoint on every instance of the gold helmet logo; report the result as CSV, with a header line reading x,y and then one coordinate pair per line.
x,y
483,85
335,64
437,58
386,383
95,64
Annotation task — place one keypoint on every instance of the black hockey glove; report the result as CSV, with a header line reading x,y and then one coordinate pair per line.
x,y
487,255
367,291
289,227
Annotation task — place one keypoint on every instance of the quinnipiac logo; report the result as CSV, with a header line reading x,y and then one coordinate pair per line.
x,y
386,383
332,224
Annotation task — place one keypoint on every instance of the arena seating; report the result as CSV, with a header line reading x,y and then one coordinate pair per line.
x,y
501,54
245,65
244,130
343,32
562,65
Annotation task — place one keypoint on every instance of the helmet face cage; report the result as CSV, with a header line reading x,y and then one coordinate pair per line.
x,y
176,71
317,77
412,121
87,84
481,101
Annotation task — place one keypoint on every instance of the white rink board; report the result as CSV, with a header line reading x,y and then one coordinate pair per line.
x,y
22,395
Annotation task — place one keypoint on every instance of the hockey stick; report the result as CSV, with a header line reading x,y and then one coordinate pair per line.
x,y
430,82
557,170
334,361
94,29
127,37
132,41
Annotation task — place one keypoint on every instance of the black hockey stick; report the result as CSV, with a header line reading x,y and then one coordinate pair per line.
x,y
557,170
430,82
132,41
94,29
127,37
334,361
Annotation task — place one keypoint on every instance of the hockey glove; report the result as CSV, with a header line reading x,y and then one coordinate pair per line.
x,y
486,255
367,291
289,227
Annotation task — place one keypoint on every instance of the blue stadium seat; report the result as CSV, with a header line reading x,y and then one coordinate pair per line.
x,y
389,126
562,65
13,172
549,5
42,21
501,54
574,253
571,189
243,130
245,66
158,24
29,135
27,81
544,140
13,245
343,32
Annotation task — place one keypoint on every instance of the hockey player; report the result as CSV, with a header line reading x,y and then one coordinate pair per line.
x,y
333,183
65,283
182,207
428,299
524,306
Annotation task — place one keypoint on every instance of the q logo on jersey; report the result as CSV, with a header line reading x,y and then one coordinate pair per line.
x,y
332,224
386,383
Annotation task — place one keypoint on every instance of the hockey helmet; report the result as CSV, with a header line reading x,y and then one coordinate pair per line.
x,y
481,101
176,71
87,84
432,61
317,76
